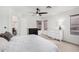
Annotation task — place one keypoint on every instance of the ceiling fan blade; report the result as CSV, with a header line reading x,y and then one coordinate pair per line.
x,y
43,13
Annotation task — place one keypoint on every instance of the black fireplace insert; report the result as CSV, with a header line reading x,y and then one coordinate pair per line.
x,y
33,31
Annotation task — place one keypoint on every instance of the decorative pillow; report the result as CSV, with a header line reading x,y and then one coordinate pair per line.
x,y
6,35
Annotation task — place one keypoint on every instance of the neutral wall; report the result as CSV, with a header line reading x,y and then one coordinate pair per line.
x,y
65,17
4,18
25,19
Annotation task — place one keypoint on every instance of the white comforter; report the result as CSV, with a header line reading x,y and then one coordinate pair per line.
x,y
30,43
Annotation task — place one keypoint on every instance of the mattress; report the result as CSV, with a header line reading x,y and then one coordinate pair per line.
x,y
30,43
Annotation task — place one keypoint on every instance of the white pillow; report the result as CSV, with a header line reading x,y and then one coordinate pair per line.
x,y
3,44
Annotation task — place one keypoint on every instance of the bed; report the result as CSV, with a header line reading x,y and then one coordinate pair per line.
x,y
30,43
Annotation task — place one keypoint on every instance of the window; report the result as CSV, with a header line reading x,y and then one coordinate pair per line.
x,y
42,24
45,24
74,24
39,24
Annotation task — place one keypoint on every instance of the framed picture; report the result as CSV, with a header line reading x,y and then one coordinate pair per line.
x,y
74,24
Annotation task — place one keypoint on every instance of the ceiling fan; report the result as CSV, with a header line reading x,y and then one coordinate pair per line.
x,y
38,12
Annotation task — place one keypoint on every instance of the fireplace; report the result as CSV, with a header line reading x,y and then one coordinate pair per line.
x,y
33,31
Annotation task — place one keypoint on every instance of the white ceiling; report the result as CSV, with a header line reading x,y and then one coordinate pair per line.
x,y
29,10
53,11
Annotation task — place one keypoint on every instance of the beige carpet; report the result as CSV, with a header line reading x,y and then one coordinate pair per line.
x,y
63,46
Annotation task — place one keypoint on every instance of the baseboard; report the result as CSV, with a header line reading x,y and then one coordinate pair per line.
x,y
70,42
62,40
